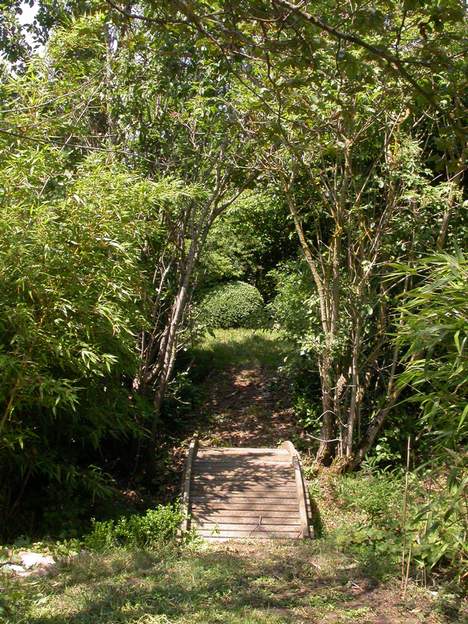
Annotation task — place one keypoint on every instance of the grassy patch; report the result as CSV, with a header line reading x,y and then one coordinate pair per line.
x,y
361,516
226,348
232,583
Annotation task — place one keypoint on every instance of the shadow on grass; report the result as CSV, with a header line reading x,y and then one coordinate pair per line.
x,y
263,585
238,347
209,587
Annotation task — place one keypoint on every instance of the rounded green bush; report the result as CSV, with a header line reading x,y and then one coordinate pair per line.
x,y
234,304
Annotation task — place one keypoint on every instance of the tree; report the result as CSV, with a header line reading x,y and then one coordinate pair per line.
x,y
326,100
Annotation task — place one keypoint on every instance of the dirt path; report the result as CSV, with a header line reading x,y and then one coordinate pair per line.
x,y
318,581
247,406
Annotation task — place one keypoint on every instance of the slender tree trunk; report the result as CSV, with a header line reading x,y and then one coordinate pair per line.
x,y
355,386
377,422
326,448
167,353
442,236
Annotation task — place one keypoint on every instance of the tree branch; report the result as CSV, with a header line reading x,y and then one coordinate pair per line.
x,y
394,62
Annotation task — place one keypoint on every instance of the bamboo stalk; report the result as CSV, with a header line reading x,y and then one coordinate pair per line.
x,y
405,569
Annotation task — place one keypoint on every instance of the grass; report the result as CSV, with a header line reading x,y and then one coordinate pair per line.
x,y
251,583
225,348
341,578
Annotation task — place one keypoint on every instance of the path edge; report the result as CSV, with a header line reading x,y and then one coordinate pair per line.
x,y
187,483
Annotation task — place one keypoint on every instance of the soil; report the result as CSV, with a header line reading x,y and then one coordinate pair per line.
x,y
247,407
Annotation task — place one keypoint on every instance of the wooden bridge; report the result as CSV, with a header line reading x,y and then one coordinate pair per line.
x,y
255,493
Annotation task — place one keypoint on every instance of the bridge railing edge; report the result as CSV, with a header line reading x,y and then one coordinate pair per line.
x,y
187,483
300,487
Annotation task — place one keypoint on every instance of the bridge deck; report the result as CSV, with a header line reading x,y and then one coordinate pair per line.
x,y
246,493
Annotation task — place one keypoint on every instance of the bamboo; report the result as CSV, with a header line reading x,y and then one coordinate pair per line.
x,y
404,572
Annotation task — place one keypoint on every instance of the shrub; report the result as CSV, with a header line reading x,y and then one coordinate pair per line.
x,y
378,495
154,527
294,308
234,304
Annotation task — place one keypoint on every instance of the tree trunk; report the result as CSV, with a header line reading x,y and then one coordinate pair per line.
x,y
376,424
355,387
326,450
327,444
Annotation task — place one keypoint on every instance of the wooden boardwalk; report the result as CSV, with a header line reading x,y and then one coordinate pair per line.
x,y
255,493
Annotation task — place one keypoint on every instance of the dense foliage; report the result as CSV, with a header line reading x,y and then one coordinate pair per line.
x,y
434,333
233,304
308,155
70,310
154,527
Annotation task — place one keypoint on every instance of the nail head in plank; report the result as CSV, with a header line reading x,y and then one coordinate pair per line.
x,y
250,534
261,519
253,526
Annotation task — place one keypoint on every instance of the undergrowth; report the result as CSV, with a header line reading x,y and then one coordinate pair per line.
x,y
392,526
136,531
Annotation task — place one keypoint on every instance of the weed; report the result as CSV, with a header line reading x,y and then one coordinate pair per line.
x,y
155,526
252,583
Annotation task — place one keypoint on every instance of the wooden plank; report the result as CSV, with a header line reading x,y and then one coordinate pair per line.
x,y
192,452
242,450
261,527
259,480
251,497
256,460
245,471
243,513
233,456
289,446
245,475
249,534
244,503
237,488
243,478
292,513
258,538
244,498
242,462
261,518
244,506
256,476
247,484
